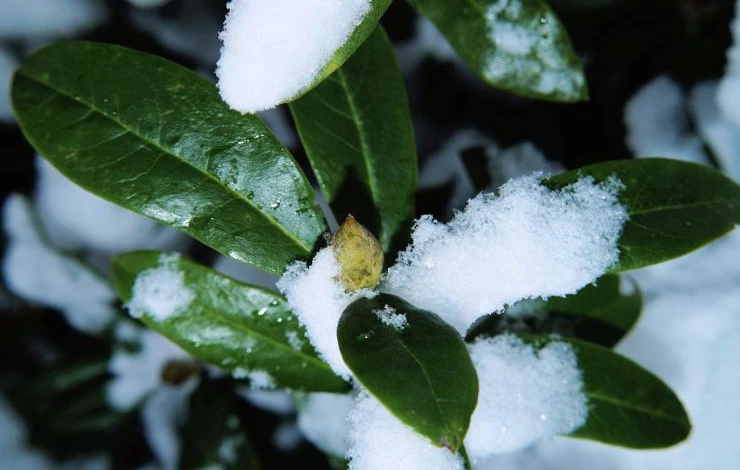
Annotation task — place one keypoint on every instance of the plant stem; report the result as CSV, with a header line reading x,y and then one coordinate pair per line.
x,y
466,460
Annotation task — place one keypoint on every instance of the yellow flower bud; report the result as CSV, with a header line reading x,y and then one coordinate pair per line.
x,y
359,255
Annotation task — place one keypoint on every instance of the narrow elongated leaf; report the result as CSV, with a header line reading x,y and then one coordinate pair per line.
x,y
415,364
245,329
155,138
516,45
674,207
214,435
356,129
601,313
628,406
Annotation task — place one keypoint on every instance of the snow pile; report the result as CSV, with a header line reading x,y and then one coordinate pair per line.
x,y
728,95
139,373
36,272
379,441
526,47
46,19
525,395
318,300
657,123
526,242
160,292
272,51
323,420
8,63
78,220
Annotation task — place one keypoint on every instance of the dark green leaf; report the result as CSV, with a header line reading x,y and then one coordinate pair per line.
x,y
214,435
356,129
519,46
232,325
156,138
599,313
421,372
628,406
674,207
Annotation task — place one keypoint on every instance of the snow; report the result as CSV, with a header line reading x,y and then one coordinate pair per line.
x,y
388,316
657,123
525,395
728,95
8,63
322,418
77,220
318,300
526,242
526,47
162,416
719,132
276,401
272,51
137,374
148,3
32,19
258,379
160,293
379,441
427,41
36,272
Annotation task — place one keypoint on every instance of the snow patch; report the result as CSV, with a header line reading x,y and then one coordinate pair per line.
x,y
318,300
525,395
322,419
378,440
272,51
528,241
728,95
389,317
160,292
258,379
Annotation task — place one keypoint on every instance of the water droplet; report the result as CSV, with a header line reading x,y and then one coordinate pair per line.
x,y
275,205
365,336
279,320
262,311
302,210
274,303
543,19
250,195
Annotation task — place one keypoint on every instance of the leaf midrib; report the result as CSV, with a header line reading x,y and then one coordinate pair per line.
x,y
614,401
683,206
156,145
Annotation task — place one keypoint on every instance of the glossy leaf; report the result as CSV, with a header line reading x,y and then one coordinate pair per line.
x,y
418,367
234,326
628,406
601,313
517,45
356,129
155,138
674,207
215,436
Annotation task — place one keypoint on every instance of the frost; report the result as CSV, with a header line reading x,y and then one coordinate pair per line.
x,y
525,395
36,272
318,301
294,340
160,292
272,51
526,242
323,421
388,316
45,19
379,441
137,374
657,124
78,220
728,95
526,50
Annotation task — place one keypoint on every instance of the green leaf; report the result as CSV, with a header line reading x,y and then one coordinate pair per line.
x,y
600,313
628,406
674,207
155,138
238,327
420,369
518,45
356,129
214,435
